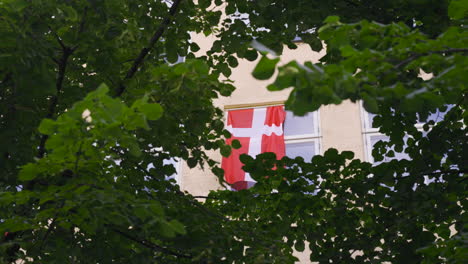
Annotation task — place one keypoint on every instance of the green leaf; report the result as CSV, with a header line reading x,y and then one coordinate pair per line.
x,y
28,172
225,150
251,55
71,13
370,104
178,227
204,4
236,144
244,158
14,225
331,19
194,47
458,9
299,245
152,111
230,9
347,51
286,77
18,5
232,61
47,127
265,68
192,162
101,91
315,43
226,133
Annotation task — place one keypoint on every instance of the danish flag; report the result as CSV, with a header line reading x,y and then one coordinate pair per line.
x,y
258,130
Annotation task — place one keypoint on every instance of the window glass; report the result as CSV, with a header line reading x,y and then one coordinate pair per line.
x,y
370,119
305,150
376,138
299,125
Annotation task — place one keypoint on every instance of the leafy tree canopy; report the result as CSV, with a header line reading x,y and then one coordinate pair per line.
x,y
92,106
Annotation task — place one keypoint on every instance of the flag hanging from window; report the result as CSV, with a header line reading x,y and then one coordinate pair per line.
x,y
258,130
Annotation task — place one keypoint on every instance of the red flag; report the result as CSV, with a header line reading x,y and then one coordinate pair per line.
x,y
258,130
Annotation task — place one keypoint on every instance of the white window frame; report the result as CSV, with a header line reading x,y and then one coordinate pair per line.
x,y
315,137
368,132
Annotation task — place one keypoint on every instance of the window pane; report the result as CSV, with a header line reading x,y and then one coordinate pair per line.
x,y
370,119
305,150
377,138
299,125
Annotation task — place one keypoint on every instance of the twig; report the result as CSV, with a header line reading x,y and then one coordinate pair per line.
x,y
49,230
83,20
62,65
59,40
6,78
144,52
78,154
352,3
418,55
150,245
206,197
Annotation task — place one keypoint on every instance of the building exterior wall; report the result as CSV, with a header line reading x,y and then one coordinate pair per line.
x,y
340,125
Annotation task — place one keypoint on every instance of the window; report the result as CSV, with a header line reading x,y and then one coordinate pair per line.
x,y
267,127
372,135
302,135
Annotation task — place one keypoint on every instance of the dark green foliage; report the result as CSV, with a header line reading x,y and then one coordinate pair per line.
x,y
84,165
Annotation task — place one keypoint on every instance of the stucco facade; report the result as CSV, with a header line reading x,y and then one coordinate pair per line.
x,y
340,125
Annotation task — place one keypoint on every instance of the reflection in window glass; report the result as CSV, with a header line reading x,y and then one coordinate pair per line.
x,y
305,150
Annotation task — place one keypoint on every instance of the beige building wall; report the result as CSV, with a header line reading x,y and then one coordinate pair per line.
x,y
340,125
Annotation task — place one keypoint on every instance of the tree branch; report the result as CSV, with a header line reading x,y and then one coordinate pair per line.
x,y
6,78
351,3
418,55
150,245
62,66
206,197
49,230
83,21
144,52
59,40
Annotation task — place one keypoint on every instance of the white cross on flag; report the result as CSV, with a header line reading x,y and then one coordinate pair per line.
x,y
258,130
